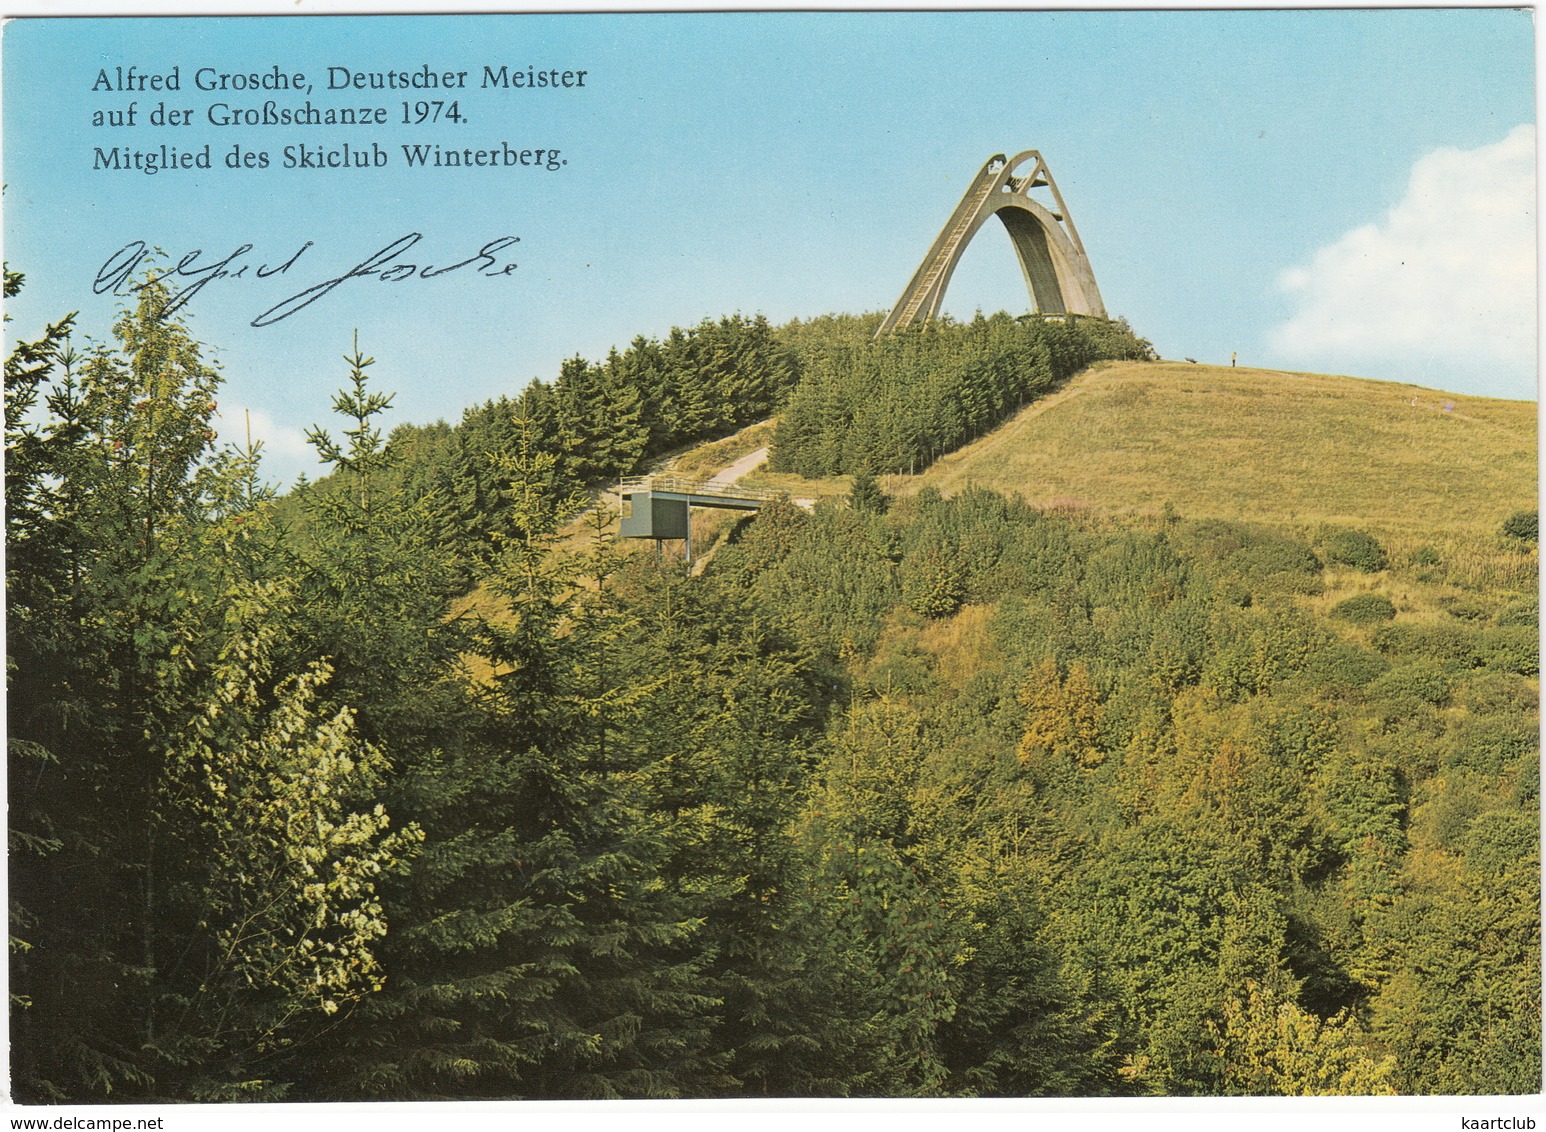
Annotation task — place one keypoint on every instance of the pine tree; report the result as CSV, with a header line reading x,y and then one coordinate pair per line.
x,y
40,549
136,934
538,954
374,580
723,749
132,484
866,495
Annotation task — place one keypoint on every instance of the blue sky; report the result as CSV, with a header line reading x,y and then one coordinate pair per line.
x,y
1343,191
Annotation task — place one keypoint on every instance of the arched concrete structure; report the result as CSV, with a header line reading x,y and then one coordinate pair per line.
x,y
1057,272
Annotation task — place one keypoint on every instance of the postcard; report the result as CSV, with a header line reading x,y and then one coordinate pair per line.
x,y
774,556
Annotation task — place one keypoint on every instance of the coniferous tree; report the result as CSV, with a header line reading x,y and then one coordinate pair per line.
x,y
723,737
137,972
866,495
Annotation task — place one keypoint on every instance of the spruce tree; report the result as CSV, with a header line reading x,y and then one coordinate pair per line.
x,y
145,677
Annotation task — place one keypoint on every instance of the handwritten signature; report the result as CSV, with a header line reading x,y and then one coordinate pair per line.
x,y
389,265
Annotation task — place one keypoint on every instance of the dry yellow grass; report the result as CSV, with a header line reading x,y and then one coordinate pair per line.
x,y
1263,446
962,645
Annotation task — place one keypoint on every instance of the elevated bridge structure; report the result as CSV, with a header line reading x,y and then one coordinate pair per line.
x,y
1052,259
660,507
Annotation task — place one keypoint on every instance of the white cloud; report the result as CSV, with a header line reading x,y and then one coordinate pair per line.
x,y
1442,291
285,452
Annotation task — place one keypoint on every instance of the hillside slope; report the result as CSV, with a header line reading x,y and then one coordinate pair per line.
x,y
1260,445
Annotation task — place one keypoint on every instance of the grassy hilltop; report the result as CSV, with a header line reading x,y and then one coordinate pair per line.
x,y
1262,445
1127,438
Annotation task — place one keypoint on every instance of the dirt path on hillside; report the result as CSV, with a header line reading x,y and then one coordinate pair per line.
x,y
745,466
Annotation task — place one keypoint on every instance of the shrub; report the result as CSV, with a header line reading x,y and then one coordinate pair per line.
x,y
902,670
1339,663
933,580
1355,548
1423,679
1249,562
1527,783
1523,525
1363,609
1524,611
1487,692
1453,643
1450,816
1513,649
1501,840
1249,550
1492,744
1466,608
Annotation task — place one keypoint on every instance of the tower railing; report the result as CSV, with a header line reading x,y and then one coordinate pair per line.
x,y
685,485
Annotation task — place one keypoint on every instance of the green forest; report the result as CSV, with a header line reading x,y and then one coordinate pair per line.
x,y
914,796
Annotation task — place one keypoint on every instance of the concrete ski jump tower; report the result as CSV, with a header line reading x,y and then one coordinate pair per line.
x,y
1057,272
